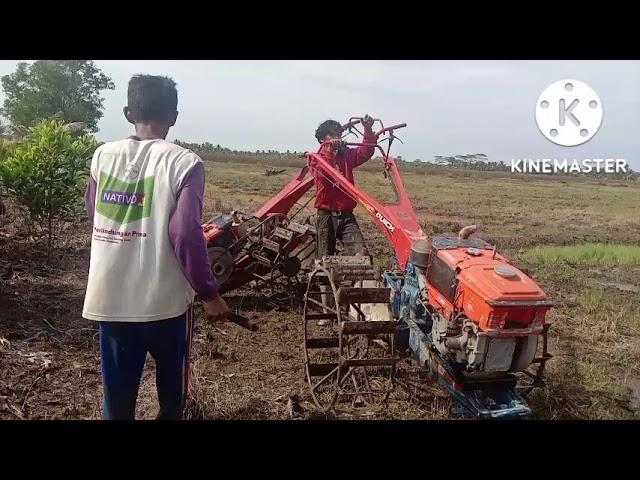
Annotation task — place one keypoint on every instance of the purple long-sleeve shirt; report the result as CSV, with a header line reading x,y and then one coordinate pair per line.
x,y
185,231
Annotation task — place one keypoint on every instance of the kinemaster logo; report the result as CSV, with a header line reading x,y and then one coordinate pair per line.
x,y
569,113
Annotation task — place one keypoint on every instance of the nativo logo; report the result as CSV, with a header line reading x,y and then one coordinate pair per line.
x,y
122,198
124,202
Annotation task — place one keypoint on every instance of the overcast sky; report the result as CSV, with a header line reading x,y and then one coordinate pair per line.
x,y
451,107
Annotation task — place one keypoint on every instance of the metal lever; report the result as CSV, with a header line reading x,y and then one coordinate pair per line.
x,y
242,321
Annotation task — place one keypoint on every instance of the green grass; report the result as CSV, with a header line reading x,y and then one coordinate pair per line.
x,y
586,254
595,378
592,300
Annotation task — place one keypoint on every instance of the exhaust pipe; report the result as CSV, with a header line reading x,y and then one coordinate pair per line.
x,y
466,232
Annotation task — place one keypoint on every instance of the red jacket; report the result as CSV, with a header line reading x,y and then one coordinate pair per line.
x,y
333,198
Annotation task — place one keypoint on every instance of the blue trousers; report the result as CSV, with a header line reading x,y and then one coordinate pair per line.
x,y
123,350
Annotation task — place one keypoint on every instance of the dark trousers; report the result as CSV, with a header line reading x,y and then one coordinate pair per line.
x,y
123,350
343,227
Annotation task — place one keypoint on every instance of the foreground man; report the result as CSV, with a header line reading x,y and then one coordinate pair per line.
x,y
148,253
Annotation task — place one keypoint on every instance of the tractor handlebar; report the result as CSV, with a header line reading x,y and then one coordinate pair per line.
x,y
244,322
389,129
351,123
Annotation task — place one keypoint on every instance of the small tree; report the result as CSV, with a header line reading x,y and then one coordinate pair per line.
x,y
45,88
6,147
46,172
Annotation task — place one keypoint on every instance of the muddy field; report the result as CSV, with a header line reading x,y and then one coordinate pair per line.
x,y
49,362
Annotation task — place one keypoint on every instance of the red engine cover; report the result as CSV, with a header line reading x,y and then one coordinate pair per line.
x,y
492,292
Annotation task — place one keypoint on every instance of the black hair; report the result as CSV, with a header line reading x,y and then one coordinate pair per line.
x,y
152,98
327,128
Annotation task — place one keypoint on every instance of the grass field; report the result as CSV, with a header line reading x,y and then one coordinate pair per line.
x,y
579,238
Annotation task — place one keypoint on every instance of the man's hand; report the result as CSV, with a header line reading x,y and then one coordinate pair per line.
x,y
337,145
367,122
215,310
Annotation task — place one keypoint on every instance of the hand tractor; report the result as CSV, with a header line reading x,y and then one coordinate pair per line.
x,y
463,311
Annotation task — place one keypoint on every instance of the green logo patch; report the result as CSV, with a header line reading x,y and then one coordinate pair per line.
x,y
122,201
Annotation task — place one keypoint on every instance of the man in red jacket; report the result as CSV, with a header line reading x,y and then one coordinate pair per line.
x,y
335,219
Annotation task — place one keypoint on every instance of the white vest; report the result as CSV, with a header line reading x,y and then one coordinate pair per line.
x,y
134,275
